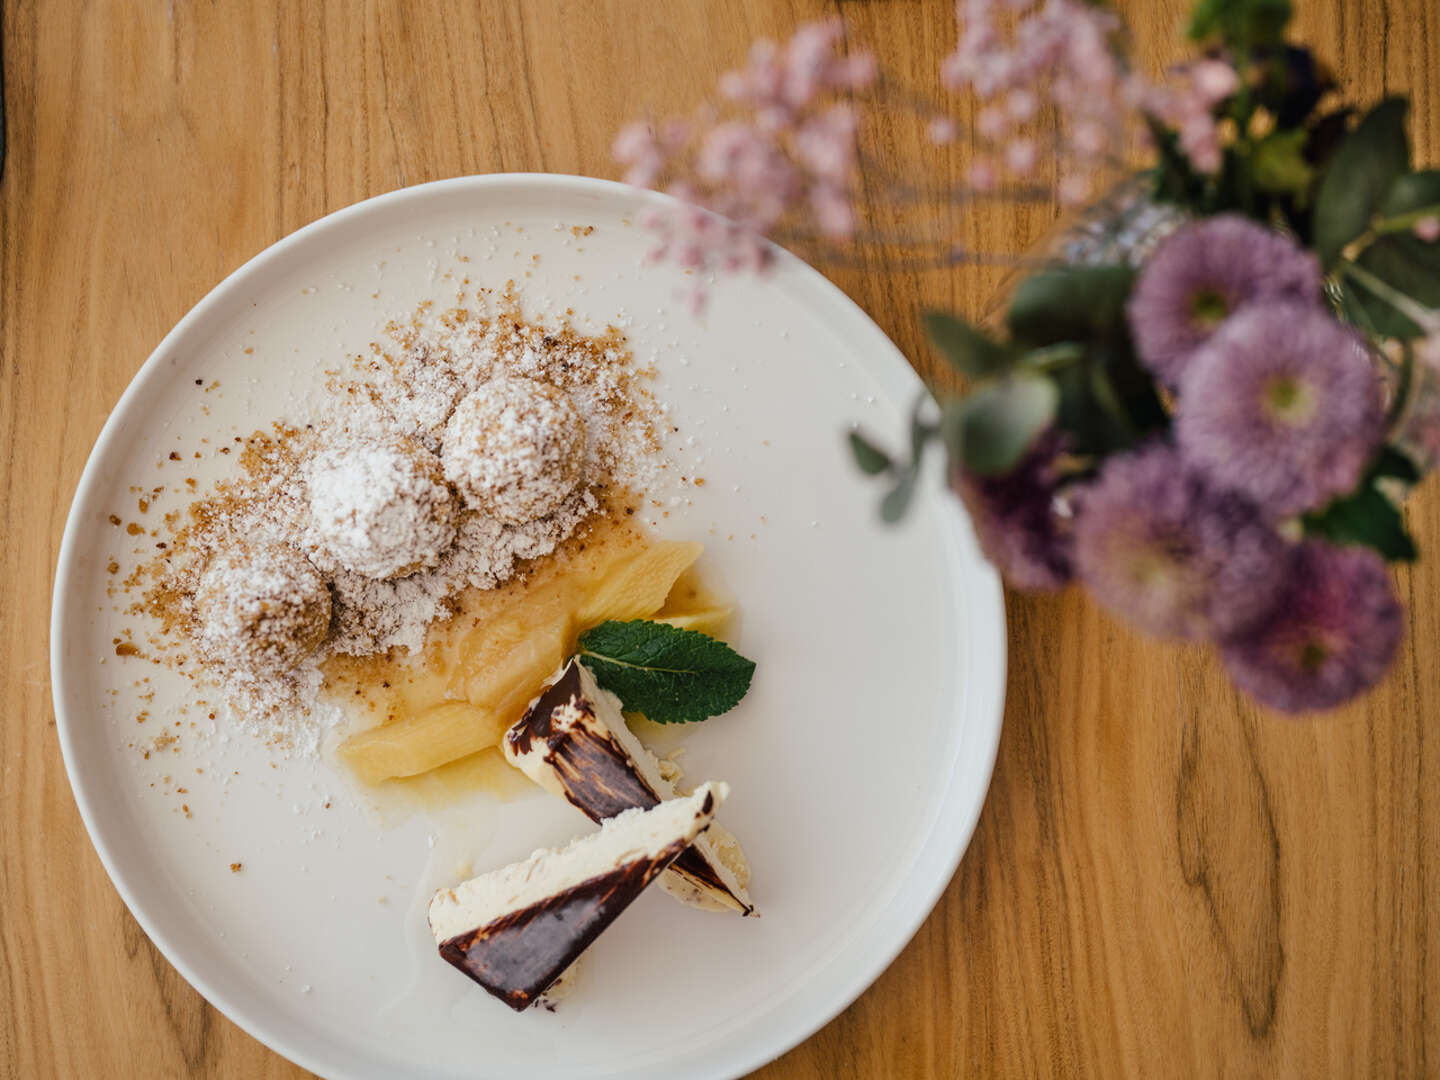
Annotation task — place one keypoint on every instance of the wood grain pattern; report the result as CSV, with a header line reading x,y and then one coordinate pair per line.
x,y
1166,881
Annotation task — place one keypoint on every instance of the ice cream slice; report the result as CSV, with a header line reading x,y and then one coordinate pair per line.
x,y
516,930
574,742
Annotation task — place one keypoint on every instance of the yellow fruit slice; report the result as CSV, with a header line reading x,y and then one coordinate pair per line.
x,y
486,771
460,698
423,741
710,621
492,678
637,588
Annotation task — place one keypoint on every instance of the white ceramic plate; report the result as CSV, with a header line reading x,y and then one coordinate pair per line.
x,y
859,761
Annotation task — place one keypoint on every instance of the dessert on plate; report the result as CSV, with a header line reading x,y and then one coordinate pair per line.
x,y
439,573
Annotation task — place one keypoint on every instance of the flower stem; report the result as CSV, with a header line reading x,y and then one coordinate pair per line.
x,y
1053,357
1400,407
1405,222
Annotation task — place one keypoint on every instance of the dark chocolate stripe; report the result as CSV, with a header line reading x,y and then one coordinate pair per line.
x,y
536,722
596,772
517,956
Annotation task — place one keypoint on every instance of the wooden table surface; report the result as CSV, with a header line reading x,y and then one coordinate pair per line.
x,y
1165,881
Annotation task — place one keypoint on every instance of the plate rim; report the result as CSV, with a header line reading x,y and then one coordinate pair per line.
x,y
748,1056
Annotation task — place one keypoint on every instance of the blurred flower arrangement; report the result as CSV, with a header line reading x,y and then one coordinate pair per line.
x,y
1208,414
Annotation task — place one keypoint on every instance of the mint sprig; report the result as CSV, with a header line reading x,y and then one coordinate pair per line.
x,y
673,676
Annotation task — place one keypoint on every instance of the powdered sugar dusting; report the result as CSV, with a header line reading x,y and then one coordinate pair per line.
x,y
354,484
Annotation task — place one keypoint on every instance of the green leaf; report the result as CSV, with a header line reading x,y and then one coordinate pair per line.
x,y
1001,420
870,458
1243,24
1411,192
1366,519
1407,264
1359,176
1396,466
1078,303
970,351
1278,162
673,676
1173,179
897,499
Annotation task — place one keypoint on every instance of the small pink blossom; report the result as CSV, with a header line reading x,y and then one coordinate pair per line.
x,y
940,130
833,210
1188,108
1021,105
826,143
992,123
1020,156
1010,54
983,175
635,146
1428,229
1213,80
783,148
1073,189
1089,138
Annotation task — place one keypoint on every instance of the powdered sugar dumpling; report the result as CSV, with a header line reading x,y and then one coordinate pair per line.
x,y
379,508
514,449
264,606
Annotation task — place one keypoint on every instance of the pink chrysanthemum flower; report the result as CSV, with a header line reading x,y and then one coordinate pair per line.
x,y
1160,546
1203,273
1332,635
1282,404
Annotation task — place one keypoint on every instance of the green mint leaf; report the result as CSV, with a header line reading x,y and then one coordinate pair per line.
x,y
1366,518
870,458
967,349
1001,420
1079,303
1359,177
673,676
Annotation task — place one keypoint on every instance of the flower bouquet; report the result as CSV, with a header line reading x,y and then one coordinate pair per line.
x,y
1206,404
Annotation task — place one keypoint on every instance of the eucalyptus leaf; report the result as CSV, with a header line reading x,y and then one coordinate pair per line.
x,y
1359,177
1078,303
971,352
1367,519
1411,192
1405,263
1079,415
897,500
870,458
1002,419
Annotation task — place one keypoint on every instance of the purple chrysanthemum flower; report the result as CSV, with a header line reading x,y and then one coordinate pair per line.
x,y
1333,632
1201,275
1158,544
1282,404
1016,521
